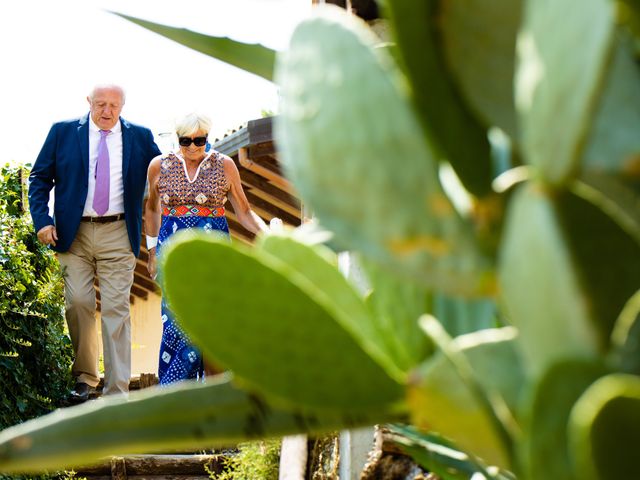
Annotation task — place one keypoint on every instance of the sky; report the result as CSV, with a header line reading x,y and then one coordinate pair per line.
x,y
53,52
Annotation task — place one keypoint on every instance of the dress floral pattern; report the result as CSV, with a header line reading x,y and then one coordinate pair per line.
x,y
187,203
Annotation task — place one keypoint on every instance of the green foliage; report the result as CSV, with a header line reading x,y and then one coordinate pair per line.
x,y
253,461
604,428
545,78
253,58
304,372
469,391
441,456
35,353
440,107
386,147
413,230
184,416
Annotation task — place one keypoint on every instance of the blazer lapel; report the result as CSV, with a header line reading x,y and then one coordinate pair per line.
x,y
127,141
83,140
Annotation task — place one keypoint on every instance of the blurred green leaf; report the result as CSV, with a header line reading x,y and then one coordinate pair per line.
x,y
319,265
544,450
442,400
386,200
253,58
300,353
606,256
440,456
464,315
561,68
183,416
604,429
616,198
395,306
478,42
440,107
614,143
541,288
625,337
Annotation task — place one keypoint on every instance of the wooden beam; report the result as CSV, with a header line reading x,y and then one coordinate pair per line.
x,y
238,230
270,199
262,149
145,282
267,211
279,180
270,193
139,292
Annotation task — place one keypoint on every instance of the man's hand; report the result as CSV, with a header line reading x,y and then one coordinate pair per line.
x,y
48,235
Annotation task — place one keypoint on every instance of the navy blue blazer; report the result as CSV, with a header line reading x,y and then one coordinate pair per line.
x,y
63,163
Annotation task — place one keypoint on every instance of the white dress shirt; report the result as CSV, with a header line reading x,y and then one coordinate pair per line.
x,y
116,187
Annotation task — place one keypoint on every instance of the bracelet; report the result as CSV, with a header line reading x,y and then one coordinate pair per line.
x,y
151,242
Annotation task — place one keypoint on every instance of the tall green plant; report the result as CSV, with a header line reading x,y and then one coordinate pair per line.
x,y
35,353
374,143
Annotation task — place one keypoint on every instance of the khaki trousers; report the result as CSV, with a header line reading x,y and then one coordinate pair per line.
x,y
100,250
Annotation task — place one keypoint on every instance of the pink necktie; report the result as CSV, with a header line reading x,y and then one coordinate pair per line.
x,y
101,194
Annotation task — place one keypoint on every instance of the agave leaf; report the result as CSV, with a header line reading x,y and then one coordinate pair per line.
x,y
583,265
604,428
368,177
556,97
478,41
440,107
185,416
319,265
253,58
614,142
271,326
546,410
440,456
441,398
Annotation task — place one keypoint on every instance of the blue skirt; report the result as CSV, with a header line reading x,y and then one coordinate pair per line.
x,y
179,358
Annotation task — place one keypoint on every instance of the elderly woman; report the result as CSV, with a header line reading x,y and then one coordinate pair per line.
x,y
188,189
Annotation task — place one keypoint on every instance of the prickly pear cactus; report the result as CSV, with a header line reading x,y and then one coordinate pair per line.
x,y
287,320
386,198
484,171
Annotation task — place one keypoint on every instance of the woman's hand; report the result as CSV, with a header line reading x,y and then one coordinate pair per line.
x,y
152,266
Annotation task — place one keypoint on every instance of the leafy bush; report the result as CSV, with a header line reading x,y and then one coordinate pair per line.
x,y
253,461
35,353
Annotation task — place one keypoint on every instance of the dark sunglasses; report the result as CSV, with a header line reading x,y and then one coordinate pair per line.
x,y
198,141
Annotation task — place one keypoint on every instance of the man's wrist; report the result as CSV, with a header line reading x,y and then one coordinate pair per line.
x,y
152,242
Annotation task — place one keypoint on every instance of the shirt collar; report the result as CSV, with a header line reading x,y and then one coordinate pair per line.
x,y
117,128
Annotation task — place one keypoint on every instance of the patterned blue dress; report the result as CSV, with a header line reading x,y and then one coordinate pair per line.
x,y
187,203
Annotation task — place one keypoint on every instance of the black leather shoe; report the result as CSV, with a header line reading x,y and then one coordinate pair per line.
x,y
80,393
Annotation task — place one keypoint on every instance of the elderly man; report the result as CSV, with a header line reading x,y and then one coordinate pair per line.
x,y
98,165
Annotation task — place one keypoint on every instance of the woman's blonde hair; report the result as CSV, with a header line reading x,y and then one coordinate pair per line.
x,y
192,123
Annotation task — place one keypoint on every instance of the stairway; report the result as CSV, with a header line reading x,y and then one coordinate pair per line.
x,y
156,467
